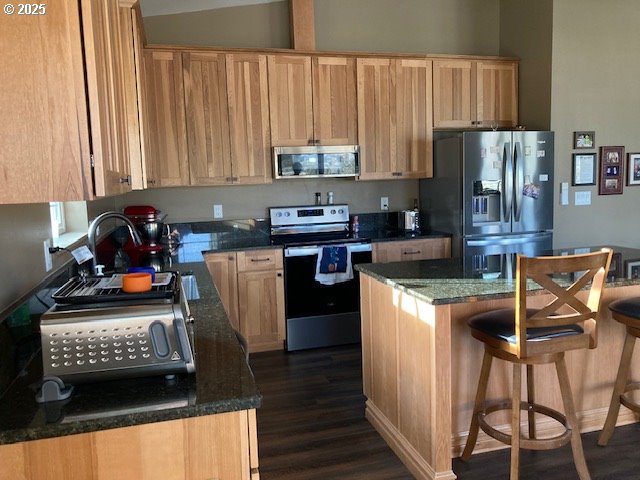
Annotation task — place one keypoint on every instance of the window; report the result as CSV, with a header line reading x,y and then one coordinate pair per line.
x,y
68,222
58,225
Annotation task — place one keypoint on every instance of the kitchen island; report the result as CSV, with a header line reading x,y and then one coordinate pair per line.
x,y
199,426
421,365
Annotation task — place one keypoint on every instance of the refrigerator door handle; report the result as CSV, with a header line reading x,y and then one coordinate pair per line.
x,y
504,240
518,180
507,182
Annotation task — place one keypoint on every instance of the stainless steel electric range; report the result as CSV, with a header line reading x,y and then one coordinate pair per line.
x,y
322,308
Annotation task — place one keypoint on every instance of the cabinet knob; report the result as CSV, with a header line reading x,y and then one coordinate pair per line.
x,y
279,274
126,180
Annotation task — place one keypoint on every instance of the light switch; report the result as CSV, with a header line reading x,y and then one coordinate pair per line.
x,y
564,193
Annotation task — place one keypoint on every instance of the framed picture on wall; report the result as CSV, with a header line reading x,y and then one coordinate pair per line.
x,y
584,140
633,169
611,170
584,169
633,268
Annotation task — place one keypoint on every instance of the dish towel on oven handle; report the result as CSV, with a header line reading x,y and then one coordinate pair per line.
x,y
334,265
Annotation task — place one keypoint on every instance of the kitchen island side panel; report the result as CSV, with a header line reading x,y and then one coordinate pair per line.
x,y
406,377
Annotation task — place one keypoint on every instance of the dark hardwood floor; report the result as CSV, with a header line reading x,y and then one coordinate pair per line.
x,y
311,426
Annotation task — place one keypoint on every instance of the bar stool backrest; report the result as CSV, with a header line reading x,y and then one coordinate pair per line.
x,y
563,277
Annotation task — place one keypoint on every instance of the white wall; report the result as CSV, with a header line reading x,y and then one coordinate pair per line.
x,y
251,201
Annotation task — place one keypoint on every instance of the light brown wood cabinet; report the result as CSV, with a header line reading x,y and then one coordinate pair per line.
x,y
405,250
475,93
312,100
131,39
65,104
251,287
248,95
394,118
209,117
222,446
167,162
205,82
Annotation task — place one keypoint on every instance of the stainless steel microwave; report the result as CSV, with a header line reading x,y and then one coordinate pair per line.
x,y
316,161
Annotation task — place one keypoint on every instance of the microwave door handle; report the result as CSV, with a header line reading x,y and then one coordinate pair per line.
x,y
518,161
507,183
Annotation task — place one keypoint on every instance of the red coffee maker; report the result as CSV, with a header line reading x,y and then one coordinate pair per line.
x,y
151,225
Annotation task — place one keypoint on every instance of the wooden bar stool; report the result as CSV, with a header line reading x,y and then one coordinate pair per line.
x,y
627,312
538,336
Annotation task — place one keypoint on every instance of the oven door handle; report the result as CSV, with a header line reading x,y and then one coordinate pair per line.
x,y
313,250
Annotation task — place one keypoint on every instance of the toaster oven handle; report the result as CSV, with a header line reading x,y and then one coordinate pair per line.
x,y
183,339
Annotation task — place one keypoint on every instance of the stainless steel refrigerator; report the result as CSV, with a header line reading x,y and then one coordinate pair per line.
x,y
493,191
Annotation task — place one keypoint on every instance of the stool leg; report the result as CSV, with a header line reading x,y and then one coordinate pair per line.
x,y
618,389
515,421
478,406
570,412
531,399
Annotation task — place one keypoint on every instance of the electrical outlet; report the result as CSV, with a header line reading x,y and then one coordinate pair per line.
x,y
217,211
384,203
48,262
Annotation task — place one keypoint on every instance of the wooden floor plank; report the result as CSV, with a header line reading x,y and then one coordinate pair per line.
x,y
311,426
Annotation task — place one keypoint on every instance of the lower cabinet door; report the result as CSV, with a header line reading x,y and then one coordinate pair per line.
x,y
261,309
222,447
222,267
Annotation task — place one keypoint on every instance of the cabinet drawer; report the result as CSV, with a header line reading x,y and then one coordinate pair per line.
x,y
255,260
421,249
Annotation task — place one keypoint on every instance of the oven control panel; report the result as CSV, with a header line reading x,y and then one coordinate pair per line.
x,y
309,215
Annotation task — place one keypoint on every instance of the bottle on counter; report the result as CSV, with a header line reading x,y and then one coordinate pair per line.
x,y
318,198
329,198
355,224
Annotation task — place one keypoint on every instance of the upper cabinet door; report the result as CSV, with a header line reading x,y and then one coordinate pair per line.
x,y
312,100
334,101
130,41
454,93
167,146
290,100
247,93
414,115
376,117
205,81
497,94
44,151
107,96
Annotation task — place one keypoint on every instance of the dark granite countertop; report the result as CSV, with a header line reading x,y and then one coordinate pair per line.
x,y
223,382
458,280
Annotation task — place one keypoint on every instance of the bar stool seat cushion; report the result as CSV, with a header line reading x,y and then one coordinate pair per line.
x,y
629,307
501,324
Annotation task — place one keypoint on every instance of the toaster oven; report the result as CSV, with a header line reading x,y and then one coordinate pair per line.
x,y
97,332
